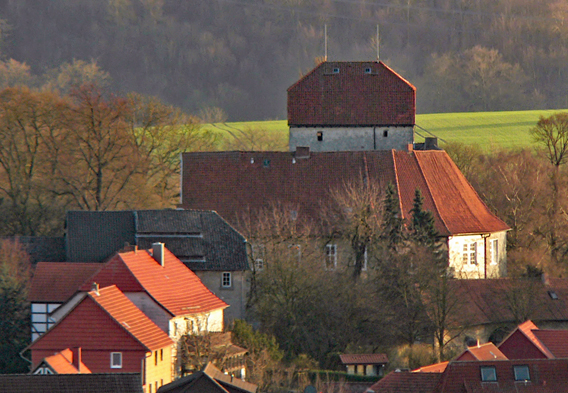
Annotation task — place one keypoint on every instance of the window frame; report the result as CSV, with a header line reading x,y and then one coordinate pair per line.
x,y
494,244
226,280
112,363
523,367
331,256
469,253
488,378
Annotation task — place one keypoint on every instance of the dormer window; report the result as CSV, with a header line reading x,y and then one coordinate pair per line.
x,y
336,70
522,373
488,374
368,70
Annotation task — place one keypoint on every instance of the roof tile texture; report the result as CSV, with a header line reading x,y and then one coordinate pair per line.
x,y
71,383
62,363
58,281
364,358
351,93
236,183
176,288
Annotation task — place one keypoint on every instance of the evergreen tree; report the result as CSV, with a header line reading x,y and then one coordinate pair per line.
x,y
423,230
392,230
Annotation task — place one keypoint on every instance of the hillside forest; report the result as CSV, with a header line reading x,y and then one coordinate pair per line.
x,y
240,56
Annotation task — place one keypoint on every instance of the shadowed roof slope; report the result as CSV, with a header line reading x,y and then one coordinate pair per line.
x,y
351,94
57,281
176,288
407,382
364,358
238,183
71,383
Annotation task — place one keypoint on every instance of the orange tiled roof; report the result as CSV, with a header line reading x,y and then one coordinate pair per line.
x,y
364,358
130,318
236,182
487,351
62,363
432,368
173,286
57,281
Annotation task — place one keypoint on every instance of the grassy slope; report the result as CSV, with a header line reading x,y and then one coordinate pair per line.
x,y
490,130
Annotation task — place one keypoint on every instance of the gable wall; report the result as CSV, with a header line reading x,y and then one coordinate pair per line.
x,y
235,296
518,346
469,270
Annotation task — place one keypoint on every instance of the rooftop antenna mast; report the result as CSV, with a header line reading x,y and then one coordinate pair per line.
x,y
378,45
325,41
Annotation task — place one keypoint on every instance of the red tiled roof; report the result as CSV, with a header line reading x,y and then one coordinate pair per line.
x,y
433,368
352,96
364,358
556,341
57,281
130,318
234,183
407,382
62,363
546,376
487,351
173,286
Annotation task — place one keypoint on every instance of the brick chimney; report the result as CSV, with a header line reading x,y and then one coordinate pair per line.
x,y
158,252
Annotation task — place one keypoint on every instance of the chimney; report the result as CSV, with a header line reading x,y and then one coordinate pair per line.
x,y
95,288
410,147
77,358
302,152
158,252
431,143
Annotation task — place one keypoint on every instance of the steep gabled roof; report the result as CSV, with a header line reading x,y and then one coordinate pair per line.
x,y
62,363
556,341
351,93
83,325
237,183
176,288
56,282
72,383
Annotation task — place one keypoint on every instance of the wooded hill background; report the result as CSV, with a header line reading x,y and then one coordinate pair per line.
x,y
242,55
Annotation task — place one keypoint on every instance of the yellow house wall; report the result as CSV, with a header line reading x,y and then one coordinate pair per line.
x,y
483,268
160,373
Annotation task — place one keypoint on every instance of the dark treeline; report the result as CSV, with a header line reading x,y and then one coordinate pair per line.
x,y
241,55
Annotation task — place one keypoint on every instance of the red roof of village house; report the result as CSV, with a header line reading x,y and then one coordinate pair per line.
x,y
556,341
234,183
364,358
487,351
56,282
407,382
176,288
432,368
62,363
351,93
84,325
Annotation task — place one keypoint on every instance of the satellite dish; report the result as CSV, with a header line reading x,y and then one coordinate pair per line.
x,y
310,389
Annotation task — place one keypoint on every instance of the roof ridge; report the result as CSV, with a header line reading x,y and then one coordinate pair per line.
x,y
306,75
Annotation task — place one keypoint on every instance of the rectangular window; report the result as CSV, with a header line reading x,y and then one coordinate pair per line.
x,y
155,358
116,360
320,136
365,260
494,251
161,355
331,256
258,255
488,374
469,255
522,373
295,252
226,280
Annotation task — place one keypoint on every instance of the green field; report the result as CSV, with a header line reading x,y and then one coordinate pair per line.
x,y
489,130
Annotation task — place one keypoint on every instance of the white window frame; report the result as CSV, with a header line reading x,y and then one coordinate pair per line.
x,y
494,251
113,364
226,280
258,252
331,256
469,253
365,260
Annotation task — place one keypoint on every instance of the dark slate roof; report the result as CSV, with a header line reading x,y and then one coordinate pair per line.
x,y
72,383
42,248
209,379
235,183
94,236
359,94
200,239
